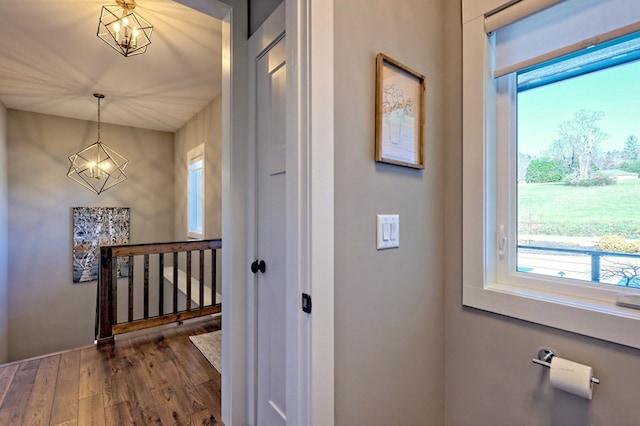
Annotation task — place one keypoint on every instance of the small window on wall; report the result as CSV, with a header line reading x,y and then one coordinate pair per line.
x,y
195,192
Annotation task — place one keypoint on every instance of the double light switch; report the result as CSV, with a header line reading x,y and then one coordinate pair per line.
x,y
388,231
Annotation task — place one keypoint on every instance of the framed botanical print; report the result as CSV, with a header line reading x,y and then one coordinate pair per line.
x,y
400,95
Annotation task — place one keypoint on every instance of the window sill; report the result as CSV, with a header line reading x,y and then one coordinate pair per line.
x,y
594,318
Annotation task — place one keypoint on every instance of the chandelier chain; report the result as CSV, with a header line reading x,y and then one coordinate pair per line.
x,y
98,119
98,96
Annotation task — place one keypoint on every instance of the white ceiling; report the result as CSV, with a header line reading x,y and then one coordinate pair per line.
x,y
51,62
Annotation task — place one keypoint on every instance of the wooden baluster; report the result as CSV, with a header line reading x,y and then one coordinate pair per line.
x,y
161,284
175,282
213,277
130,288
113,283
146,286
201,276
189,280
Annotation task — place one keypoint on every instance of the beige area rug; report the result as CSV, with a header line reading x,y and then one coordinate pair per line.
x,y
210,344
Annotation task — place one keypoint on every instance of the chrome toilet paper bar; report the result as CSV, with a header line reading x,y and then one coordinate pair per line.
x,y
544,359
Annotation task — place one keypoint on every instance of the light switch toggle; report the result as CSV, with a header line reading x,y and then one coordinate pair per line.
x,y
388,231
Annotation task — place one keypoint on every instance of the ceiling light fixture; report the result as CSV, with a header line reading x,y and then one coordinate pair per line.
x,y
97,167
125,31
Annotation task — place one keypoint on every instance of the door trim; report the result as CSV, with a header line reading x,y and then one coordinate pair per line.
x,y
234,17
310,232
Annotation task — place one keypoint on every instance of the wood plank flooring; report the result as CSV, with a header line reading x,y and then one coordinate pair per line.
x,y
158,378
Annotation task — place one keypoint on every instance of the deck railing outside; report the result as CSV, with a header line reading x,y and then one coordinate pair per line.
x,y
157,284
621,269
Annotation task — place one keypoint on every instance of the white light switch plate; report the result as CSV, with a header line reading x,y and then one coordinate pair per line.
x,y
387,231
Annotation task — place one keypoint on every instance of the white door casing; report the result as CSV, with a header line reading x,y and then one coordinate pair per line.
x,y
236,389
310,211
309,214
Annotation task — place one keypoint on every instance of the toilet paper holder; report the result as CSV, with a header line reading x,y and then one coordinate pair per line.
x,y
544,359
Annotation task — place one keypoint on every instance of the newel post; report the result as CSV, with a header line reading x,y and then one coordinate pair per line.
x,y
105,303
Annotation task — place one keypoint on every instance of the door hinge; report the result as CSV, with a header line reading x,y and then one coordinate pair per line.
x,y
306,303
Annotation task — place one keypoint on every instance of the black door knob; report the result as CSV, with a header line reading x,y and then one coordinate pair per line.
x,y
258,266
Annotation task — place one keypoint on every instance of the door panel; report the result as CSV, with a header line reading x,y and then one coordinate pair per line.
x,y
271,175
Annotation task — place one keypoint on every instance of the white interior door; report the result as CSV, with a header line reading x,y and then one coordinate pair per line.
x,y
271,283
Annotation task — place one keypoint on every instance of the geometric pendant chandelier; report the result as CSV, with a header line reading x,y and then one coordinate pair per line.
x,y
122,29
97,167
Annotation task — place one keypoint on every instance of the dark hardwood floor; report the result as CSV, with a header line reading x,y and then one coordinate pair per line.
x,y
158,378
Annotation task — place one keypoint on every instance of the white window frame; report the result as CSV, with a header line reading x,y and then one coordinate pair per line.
x,y
193,155
487,283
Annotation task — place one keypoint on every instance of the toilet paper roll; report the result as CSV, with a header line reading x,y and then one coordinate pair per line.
x,y
571,377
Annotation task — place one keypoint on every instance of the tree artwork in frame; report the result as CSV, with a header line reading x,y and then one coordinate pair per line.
x,y
399,114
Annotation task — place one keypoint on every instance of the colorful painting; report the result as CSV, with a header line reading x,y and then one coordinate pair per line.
x,y
94,227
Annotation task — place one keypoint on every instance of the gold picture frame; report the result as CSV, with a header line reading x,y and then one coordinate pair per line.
x,y
400,95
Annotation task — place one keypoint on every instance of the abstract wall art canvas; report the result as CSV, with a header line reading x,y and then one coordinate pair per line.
x,y
93,227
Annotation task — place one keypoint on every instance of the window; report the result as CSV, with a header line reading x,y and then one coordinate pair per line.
x,y
576,146
195,192
522,256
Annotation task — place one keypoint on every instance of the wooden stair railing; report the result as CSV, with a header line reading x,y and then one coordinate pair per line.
x,y
173,285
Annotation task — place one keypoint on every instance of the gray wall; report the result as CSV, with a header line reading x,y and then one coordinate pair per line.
x,y
389,330
490,379
4,238
47,312
205,127
259,11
